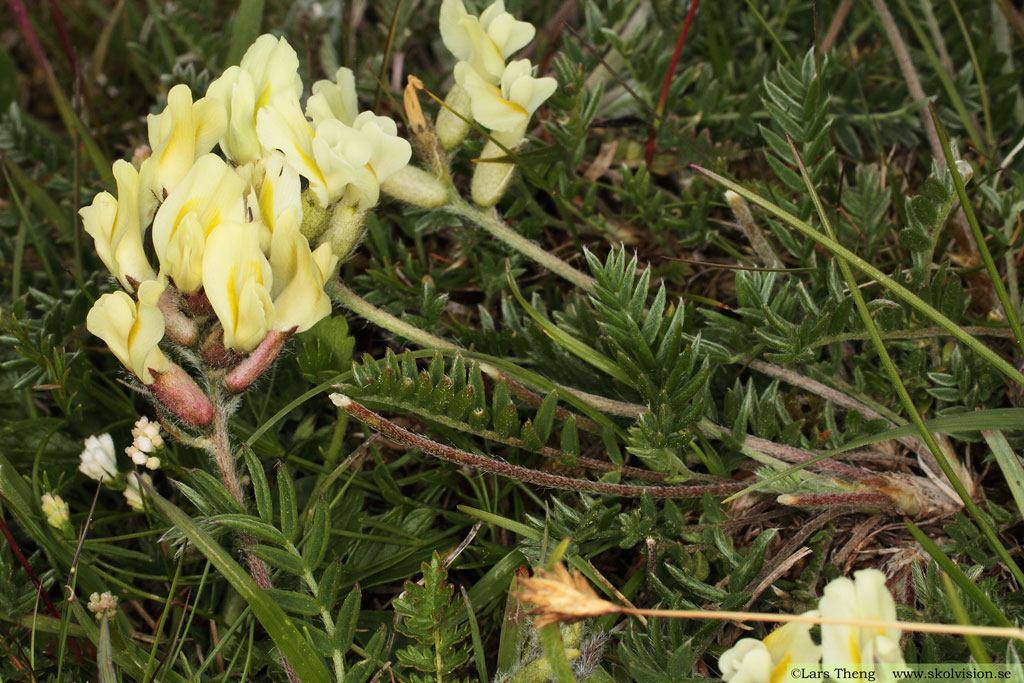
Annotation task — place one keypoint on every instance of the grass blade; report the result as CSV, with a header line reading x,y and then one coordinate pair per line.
x,y
844,254
278,626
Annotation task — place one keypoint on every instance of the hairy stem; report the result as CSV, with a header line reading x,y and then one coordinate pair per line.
x,y
219,446
438,450
489,221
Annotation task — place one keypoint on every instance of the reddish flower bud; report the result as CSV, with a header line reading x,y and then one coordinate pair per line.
x,y
257,362
180,394
215,354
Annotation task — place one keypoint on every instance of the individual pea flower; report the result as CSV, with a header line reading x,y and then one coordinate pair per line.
x,y
341,162
274,188
237,279
210,194
102,603
298,277
297,292
855,648
56,511
182,133
506,111
116,228
98,460
132,329
133,491
485,42
269,71
771,660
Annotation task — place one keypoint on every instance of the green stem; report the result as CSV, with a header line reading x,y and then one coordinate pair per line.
x,y
325,616
497,228
979,237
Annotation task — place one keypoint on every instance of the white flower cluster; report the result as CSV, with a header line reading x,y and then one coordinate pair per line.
x,y
146,441
232,234
845,651
99,603
97,460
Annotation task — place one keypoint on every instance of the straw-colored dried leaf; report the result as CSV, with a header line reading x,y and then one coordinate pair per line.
x,y
561,596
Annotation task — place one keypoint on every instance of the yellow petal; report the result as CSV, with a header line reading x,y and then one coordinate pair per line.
x,y
283,127
237,280
132,329
335,100
299,299
211,193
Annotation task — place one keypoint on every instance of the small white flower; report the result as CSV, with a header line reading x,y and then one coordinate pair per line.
x,y
133,492
98,604
55,509
138,457
98,459
152,463
146,436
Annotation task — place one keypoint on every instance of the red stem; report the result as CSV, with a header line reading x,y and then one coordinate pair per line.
x,y
652,135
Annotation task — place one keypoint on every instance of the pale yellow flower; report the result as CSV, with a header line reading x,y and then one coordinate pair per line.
x,y
485,42
116,228
341,163
773,659
182,133
132,329
298,277
269,71
334,100
211,193
854,647
506,110
237,279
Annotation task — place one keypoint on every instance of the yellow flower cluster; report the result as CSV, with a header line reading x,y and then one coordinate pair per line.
x,y
502,96
234,264
788,653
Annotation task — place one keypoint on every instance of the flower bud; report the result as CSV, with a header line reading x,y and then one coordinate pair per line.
x,y
178,327
417,187
99,604
346,231
451,129
315,219
257,362
491,178
180,394
133,493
